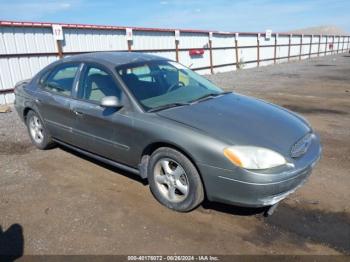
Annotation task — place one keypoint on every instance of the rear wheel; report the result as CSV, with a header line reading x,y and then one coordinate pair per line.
x,y
37,132
174,180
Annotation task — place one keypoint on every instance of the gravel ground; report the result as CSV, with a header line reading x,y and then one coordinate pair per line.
x,y
59,202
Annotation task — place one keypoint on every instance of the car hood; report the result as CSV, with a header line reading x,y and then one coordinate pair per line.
x,y
241,120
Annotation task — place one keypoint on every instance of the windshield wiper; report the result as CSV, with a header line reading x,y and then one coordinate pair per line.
x,y
200,99
158,108
209,96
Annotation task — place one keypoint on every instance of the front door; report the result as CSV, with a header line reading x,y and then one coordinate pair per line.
x,y
103,131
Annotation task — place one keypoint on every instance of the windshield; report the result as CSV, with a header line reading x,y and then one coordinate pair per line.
x,y
158,84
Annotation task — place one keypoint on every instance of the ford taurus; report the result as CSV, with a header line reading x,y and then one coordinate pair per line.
x,y
157,118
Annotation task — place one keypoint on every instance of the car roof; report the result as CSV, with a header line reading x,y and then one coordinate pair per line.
x,y
113,58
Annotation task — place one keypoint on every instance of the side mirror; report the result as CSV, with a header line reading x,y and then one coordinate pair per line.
x,y
110,101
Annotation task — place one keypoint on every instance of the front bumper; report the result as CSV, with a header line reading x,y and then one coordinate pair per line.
x,y
224,189
245,188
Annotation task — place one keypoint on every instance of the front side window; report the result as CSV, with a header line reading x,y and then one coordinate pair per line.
x,y
96,84
161,83
61,79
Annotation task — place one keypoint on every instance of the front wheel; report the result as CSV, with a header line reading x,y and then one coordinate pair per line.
x,y
174,180
37,132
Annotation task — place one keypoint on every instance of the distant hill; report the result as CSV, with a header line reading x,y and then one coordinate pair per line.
x,y
317,30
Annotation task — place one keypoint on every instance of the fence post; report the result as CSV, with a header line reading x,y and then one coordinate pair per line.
x,y
289,46
236,45
177,40
211,52
177,50
301,46
275,50
59,48
258,49
345,46
325,48
129,38
310,48
338,44
319,45
342,44
58,36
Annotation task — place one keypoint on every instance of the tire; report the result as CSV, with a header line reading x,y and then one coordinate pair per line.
x,y
174,180
37,132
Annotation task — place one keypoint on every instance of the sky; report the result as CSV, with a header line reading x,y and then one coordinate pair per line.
x,y
216,15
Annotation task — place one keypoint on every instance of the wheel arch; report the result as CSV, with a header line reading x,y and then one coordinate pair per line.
x,y
26,111
31,107
150,148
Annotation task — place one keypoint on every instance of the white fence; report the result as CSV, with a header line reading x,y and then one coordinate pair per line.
x,y
26,47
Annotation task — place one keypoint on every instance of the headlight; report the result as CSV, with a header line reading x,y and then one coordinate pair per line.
x,y
251,157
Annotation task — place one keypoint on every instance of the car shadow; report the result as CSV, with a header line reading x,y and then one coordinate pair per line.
x,y
11,243
232,209
116,170
331,228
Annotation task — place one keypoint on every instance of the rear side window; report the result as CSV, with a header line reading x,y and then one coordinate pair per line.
x,y
61,79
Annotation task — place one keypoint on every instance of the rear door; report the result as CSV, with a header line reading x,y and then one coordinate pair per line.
x,y
55,99
103,131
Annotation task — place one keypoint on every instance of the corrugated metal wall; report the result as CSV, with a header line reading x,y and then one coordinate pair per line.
x,y
25,48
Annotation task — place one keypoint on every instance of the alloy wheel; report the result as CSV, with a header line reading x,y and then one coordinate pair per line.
x,y
36,129
171,180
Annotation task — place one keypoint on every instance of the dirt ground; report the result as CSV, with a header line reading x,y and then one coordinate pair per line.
x,y
64,203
